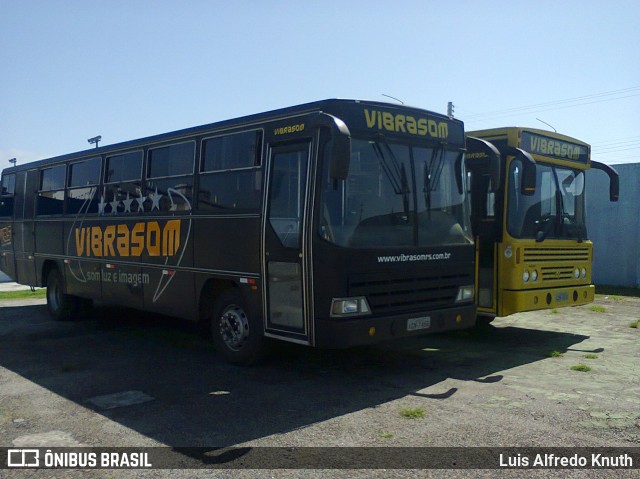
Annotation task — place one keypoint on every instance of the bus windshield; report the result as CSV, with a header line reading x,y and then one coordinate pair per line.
x,y
395,195
556,210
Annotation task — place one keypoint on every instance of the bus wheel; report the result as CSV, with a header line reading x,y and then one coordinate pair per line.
x,y
236,336
61,306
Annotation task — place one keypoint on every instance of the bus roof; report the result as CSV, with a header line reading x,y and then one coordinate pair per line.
x,y
554,147
331,106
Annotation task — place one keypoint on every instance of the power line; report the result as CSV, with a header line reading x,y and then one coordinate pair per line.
x,y
616,141
556,104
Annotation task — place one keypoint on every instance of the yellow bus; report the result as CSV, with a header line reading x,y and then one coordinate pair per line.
x,y
532,249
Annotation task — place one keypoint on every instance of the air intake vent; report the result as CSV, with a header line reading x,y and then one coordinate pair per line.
x,y
387,294
540,255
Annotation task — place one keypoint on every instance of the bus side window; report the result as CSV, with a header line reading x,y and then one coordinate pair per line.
x,y
51,195
7,191
123,183
230,174
170,177
84,176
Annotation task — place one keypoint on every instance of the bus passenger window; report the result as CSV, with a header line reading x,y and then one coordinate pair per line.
x,y
84,177
172,160
6,195
170,178
51,195
230,174
122,184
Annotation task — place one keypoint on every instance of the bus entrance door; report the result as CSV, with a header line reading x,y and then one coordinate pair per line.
x,y
285,282
24,240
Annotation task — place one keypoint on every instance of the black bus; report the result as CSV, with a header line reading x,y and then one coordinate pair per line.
x,y
330,224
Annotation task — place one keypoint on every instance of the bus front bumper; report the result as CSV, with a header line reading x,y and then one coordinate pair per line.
x,y
348,332
548,298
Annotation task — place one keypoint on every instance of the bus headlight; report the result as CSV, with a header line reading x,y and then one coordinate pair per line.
x,y
525,275
466,293
534,275
576,273
584,272
344,307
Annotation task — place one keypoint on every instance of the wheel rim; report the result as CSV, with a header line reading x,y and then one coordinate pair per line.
x,y
234,327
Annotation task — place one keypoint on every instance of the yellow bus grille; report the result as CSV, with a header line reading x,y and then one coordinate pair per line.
x,y
549,273
548,255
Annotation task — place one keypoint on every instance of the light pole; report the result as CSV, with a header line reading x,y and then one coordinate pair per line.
x,y
13,161
95,140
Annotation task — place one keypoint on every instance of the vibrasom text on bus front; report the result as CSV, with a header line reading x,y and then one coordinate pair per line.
x,y
400,123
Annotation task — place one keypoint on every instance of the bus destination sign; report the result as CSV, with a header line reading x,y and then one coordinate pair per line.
x,y
553,147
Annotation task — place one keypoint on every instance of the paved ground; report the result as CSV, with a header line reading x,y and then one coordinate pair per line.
x,y
121,378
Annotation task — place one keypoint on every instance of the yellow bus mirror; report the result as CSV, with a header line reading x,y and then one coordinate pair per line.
x,y
614,179
528,185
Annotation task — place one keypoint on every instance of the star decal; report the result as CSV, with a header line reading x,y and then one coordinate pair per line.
x,y
114,205
141,199
127,203
155,199
101,206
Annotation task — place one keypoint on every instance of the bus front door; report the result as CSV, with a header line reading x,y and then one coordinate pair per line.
x,y
484,219
285,271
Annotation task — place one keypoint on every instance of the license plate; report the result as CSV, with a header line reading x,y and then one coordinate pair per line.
x,y
562,296
414,324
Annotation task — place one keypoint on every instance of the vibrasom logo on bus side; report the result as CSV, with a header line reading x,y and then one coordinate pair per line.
x,y
121,241
164,242
399,123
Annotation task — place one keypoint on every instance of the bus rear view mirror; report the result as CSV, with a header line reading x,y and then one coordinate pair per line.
x,y
614,179
528,184
340,144
340,157
483,159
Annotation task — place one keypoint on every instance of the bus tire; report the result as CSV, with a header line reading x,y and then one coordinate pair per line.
x,y
61,306
237,337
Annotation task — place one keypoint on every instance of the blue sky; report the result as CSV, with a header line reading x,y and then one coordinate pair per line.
x,y
74,69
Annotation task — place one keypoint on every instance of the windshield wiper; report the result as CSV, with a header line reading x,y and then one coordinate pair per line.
x,y
396,173
432,176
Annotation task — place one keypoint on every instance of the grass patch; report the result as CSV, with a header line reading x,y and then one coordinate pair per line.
x,y
415,413
386,435
555,354
635,324
617,291
598,309
583,368
591,356
554,311
23,294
